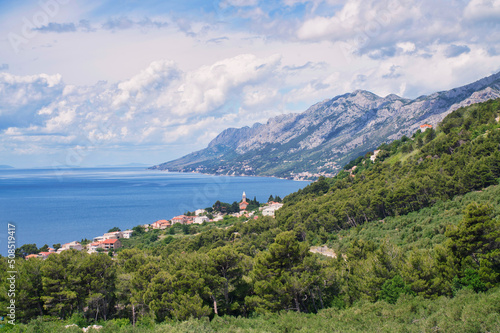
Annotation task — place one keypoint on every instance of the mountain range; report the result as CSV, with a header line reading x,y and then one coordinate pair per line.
x,y
320,140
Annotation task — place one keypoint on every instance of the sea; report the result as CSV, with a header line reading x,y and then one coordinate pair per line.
x,y
50,206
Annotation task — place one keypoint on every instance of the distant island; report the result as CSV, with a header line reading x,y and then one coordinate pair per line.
x,y
6,167
128,165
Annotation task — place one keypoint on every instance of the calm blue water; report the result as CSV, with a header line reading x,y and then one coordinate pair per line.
x,y
60,206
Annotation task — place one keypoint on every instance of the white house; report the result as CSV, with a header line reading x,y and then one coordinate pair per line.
x,y
68,246
199,212
160,224
92,247
127,233
269,210
218,218
201,219
374,156
112,235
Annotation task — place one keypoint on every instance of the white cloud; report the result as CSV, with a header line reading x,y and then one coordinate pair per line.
x,y
357,19
238,3
406,47
383,28
156,78
230,66
483,10
209,87
160,105
22,96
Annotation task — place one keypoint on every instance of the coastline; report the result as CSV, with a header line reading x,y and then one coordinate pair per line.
x,y
153,168
81,203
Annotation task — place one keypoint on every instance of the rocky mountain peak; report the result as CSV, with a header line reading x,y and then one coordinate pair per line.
x,y
329,133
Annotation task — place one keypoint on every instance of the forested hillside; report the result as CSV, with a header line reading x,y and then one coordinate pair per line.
x,y
411,173
416,237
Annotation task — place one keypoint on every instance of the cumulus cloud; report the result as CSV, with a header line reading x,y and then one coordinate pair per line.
x,y
483,10
21,97
384,29
327,47
209,87
160,105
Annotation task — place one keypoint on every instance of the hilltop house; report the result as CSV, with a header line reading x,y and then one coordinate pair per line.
x,y
374,156
68,246
271,208
92,247
106,245
111,244
29,256
199,212
160,224
424,127
182,219
98,239
218,217
113,235
44,255
200,219
127,233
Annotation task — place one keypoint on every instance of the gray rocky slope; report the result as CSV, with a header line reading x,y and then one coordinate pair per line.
x,y
328,134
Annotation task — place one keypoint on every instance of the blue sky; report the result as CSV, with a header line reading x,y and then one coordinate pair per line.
x,y
114,82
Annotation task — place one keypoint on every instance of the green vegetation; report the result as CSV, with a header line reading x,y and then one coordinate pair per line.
x,y
27,249
424,228
466,312
416,236
459,159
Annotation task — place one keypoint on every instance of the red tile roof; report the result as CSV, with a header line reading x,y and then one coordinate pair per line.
x,y
109,241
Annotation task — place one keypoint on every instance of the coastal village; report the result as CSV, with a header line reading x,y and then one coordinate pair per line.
x,y
110,241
